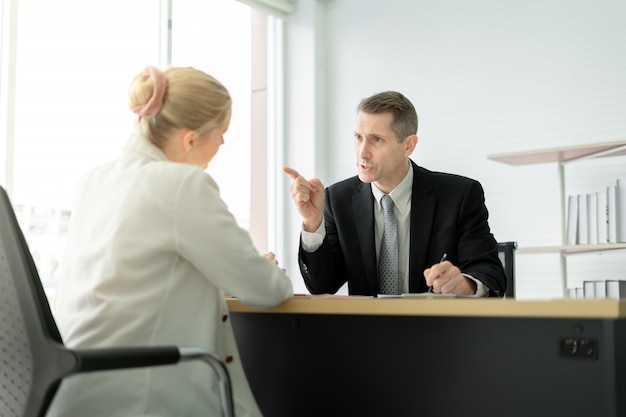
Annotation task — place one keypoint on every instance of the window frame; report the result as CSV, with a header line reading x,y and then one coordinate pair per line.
x,y
265,185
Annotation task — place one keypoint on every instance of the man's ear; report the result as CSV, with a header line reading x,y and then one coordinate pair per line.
x,y
188,140
410,143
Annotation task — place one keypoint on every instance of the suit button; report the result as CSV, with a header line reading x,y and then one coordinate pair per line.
x,y
228,359
224,317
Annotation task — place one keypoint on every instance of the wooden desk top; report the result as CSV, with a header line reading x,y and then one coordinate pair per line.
x,y
488,307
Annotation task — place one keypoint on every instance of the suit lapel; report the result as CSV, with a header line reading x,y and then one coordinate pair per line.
x,y
363,204
422,215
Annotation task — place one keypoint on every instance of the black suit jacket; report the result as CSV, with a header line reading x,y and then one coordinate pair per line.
x,y
448,215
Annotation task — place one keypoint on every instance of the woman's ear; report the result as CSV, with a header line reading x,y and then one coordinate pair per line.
x,y
188,140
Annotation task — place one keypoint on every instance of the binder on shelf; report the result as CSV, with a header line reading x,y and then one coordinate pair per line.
x,y
592,218
602,217
583,220
572,220
600,289
616,288
611,198
580,292
620,198
589,289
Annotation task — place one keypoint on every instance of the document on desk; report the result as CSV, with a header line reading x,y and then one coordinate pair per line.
x,y
426,295
417,295
333,296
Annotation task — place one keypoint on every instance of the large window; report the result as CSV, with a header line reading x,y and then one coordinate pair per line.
x,y
74,61
215,36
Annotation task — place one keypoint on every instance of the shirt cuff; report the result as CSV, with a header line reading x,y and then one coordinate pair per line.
x,y
311,241
481,289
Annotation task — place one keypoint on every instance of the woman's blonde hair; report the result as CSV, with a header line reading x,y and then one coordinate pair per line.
x,y
191,99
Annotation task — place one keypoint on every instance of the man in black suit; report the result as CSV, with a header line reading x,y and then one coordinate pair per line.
x,y
437,214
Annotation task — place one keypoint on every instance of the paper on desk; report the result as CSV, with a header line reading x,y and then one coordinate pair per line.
x,y
330,296
417,295
426,295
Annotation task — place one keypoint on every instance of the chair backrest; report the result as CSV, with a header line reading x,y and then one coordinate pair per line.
x,y
33,360
506,253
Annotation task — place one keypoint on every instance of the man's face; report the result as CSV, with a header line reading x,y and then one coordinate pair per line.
x,y
381,158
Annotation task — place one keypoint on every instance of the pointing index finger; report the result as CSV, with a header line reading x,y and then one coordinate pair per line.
x,y
291,172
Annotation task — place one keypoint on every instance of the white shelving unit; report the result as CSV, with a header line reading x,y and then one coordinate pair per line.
x,y
563,156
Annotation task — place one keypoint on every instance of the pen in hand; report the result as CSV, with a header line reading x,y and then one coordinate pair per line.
x,y
443,258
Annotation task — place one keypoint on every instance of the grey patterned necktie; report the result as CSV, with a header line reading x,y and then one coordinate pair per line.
x,y
388,257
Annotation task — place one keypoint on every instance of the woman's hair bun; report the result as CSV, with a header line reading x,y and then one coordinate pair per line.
x,y
147,92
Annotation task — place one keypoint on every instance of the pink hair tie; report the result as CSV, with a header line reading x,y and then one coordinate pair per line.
x,y
159,85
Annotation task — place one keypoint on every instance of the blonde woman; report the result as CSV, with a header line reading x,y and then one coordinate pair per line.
x,y
151,251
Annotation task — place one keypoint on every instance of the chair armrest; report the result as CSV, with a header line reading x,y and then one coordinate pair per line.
x,y
103,359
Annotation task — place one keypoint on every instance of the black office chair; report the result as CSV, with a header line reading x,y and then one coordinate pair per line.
x,y
33,358
506,253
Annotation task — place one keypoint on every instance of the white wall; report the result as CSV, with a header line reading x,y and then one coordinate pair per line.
x,y
486,77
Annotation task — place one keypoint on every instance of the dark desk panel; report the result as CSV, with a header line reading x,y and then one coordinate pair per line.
x,y
329,364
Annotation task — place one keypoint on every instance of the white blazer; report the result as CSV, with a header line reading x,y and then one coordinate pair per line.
x,y
151,250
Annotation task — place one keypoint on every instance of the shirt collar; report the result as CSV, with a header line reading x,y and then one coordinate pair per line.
x,y
401,195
